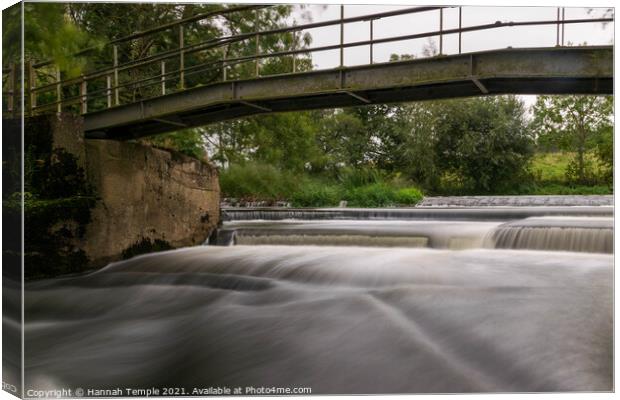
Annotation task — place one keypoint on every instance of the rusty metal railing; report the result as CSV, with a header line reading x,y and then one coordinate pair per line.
x,y
101,88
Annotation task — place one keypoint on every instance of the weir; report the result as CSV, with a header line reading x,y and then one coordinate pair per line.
x,y
592,235
462,213
581,229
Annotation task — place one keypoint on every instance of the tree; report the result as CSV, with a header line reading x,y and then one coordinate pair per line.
x,y
285,140
48,35
344,139
605,153
575,124
188,141
114,21
416,155
485,141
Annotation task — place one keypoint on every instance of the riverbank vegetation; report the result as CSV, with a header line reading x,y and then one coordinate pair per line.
x,y
254,182
367,155
378,155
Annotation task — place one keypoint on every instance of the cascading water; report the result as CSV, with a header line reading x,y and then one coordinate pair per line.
x,y
336,319
592,235
581,234
418,213
390,233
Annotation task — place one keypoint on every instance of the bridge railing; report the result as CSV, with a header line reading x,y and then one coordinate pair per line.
x,y
125,81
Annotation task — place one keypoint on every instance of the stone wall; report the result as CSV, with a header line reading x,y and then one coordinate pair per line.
x,y
147,193
142,193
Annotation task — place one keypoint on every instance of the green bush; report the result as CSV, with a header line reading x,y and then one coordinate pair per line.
x,y
382,195
373,195
408,196
559,189
361,176
316,194
365,187
254,181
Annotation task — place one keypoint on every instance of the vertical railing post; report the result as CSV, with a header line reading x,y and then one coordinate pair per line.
x,y
460,27
181,58
341,35
163,78
256,38
108,81
32,96
371,40
116,97
12,89
441,31
563,24
83,96
557,28
58,91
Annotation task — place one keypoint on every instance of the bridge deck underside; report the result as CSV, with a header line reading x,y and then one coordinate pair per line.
x,y
585,70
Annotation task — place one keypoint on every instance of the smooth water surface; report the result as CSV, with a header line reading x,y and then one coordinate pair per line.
x,y
403,306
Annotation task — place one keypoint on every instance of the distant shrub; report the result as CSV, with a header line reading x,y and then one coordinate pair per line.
x,y
362,176
373,195
316,194
558,189
365,187
254,181
408,196
382,195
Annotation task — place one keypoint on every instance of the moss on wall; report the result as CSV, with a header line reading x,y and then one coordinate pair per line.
x,y
57,203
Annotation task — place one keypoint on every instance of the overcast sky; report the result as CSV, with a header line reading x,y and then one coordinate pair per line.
x,y
530,36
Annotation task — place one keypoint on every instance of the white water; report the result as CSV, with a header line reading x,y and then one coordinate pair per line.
x,y
582,234
339,321
336,319
390,233
592,235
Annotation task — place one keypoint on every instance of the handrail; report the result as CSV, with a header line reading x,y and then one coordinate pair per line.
x,y
66,89
160,28
224,40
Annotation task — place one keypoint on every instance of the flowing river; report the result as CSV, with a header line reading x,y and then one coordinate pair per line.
x,y
401,301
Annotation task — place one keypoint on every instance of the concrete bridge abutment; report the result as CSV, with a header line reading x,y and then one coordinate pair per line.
x,y
142,198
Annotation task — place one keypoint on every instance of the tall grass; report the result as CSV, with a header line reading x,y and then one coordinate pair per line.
x,y
359,188
257,182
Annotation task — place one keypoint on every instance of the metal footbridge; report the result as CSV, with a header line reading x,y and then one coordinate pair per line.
x,y
169,100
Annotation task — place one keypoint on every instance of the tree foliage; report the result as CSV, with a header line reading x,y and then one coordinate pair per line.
x,y
485,141
479,145
577,124
56,31
49,34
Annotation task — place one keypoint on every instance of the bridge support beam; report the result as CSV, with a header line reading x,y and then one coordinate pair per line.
x,y
357,96
253,105
482,88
